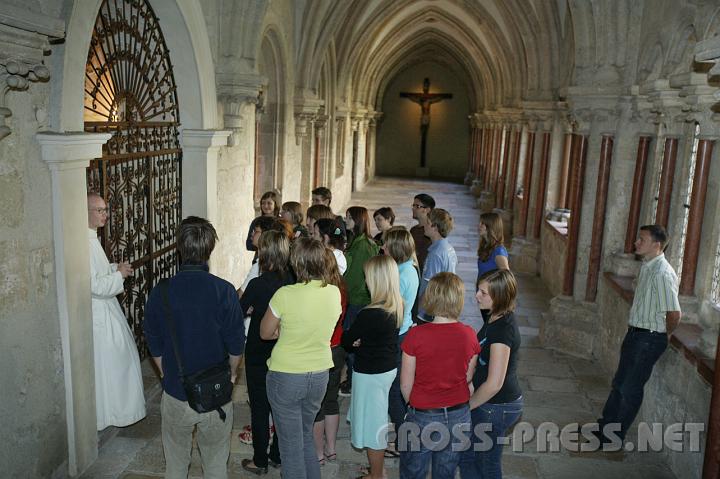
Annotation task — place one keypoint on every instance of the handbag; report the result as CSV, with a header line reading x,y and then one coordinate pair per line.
x,y
208,389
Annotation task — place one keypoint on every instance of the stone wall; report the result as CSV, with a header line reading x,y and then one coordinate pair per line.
x,y
33,392
552,258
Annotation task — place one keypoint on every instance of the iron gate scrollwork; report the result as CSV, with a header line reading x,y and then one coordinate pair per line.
x,y
130,92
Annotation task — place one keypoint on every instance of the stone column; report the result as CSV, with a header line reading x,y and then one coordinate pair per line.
x,y
517,132
578,155
503,169
68,156
340,145
637,193
199,179
362,129
474,133
527,179
598,228
319,147
695,218
562,200
542,184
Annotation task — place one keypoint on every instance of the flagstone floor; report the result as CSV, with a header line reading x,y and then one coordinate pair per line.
x,y
557,388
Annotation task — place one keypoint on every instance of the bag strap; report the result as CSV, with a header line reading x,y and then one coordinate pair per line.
x,y
164,286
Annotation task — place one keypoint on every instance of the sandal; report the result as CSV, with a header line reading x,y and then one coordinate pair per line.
x,y
331,457
321,461
245,463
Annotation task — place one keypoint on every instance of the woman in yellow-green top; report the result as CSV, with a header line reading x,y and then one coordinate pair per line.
x,y
302,317
359,251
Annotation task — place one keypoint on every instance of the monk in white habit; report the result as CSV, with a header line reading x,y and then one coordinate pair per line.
x,y
119,394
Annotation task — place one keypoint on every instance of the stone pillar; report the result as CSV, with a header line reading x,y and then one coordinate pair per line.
x,y
503,169
666,181
319,147
695,218
542,184
340,145
68,156
527,180
474,133
517,132
577,157
637,193
362,129
200,167
598,228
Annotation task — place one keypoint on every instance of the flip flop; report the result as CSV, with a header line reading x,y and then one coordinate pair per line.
x,y
391,453
331,457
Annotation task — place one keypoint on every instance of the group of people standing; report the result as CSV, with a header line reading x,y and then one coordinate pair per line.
x,y
327,300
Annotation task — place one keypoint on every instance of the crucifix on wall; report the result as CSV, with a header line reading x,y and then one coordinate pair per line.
x,y
425,99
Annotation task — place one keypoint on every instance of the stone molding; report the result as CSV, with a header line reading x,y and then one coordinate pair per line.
x,y
235,92
307,109
68,155
24,39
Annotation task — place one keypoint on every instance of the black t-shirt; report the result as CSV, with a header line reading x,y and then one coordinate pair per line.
x,y
503,330
378,333
257,295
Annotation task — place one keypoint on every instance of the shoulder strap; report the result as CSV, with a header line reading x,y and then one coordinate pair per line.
x,y
164,286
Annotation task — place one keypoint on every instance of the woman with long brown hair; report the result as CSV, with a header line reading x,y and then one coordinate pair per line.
x,y
492,253
360,249
269,206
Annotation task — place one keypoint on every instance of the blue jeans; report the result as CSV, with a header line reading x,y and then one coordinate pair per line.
x,y
396,404
639,352
295,400
418,448
492,420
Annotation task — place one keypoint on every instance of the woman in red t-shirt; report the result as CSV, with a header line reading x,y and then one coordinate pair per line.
x,y
438,363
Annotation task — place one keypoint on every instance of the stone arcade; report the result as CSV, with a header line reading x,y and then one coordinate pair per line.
x,y
577,121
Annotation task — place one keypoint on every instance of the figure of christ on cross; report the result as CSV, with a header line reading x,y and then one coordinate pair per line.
x,y
425,99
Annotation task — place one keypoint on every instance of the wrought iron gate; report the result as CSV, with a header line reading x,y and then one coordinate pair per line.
x,y
130,92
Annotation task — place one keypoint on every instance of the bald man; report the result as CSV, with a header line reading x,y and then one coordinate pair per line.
x,y
119,397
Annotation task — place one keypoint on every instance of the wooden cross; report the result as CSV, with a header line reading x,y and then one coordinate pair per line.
x,y
425,99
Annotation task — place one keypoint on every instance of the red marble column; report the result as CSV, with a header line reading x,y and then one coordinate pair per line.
x,y
578,155
542,184
527,183
637,193
606,149
695,216
503,172
478,151
493,157
666,181
514,170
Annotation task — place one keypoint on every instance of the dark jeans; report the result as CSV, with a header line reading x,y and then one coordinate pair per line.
x,y
350,313
259,410
639,352
330,405
396,404
415,456
494,421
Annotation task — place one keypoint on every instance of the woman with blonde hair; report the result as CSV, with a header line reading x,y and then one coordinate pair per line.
x,y
497,399
492,253
438,363
302,317
373,339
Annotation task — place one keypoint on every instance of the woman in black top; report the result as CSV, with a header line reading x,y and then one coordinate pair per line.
x,y
373,338
497,399
273,258
269,206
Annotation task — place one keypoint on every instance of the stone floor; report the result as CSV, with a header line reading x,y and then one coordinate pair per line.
x,y
557,388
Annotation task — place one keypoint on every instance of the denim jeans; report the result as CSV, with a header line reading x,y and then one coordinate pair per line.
x,y
639,352
494,421
396,403
295,400
416,451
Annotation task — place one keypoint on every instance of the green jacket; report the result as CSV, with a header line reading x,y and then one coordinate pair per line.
x,y
359,251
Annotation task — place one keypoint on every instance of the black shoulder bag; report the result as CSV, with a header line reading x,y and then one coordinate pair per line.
x,y
209,389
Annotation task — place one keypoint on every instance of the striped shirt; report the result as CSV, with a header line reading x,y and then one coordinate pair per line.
x,y
656,293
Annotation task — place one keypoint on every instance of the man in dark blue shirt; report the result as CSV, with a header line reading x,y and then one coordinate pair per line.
x,y
209,328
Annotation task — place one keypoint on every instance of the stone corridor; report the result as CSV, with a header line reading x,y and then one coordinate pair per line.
x,y
557,388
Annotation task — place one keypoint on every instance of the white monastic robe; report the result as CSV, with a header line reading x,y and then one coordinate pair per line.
x,y
119,394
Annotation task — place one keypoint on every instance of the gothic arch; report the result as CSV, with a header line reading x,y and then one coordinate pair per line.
x,y
185,32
